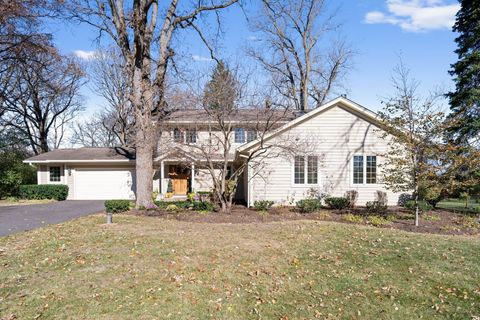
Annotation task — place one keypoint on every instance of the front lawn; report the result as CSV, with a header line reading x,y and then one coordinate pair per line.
x,y
150,268
459,205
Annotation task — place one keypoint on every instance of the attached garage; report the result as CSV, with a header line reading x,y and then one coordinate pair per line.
x,y
103,184
89,173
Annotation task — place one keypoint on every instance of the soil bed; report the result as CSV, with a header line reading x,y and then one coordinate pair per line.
x,y
436,221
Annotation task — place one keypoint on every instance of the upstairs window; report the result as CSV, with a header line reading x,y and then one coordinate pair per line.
x,y
54,174
177,135
239,135
306,167
191,136
251,135
364,169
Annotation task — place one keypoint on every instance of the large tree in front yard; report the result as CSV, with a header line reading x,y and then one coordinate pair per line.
x,y
412,126
143,31
419,160
465,99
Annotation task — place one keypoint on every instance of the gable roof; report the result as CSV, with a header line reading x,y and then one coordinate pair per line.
x,y
247,115
84,155
352,106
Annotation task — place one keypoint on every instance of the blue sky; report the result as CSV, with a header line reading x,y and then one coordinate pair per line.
x,y
378,30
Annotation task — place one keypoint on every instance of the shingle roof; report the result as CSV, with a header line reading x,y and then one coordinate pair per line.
x,y
84,154
241,115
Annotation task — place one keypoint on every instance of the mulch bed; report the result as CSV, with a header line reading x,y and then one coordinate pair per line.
x,y
440,222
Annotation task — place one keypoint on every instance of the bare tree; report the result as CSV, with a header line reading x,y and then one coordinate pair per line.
x,y
229,111
111,82
95,132
143,32
41,96
294,47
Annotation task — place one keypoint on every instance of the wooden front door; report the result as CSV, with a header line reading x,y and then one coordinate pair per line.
x,y
180,184
180,179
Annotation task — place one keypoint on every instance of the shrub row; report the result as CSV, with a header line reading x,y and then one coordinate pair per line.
x,y
43,191
195,205
116,206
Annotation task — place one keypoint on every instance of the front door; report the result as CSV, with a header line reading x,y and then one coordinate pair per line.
x,y
180,177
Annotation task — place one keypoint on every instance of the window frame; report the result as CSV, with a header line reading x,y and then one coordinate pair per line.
x,y
180,138
364,171
237,134
59,174
250,138
189,133
306,171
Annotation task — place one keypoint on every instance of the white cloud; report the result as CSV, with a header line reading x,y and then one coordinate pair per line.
x,y
196,57
416,15
85,55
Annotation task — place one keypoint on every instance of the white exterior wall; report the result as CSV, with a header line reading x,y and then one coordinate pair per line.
x,y
335,136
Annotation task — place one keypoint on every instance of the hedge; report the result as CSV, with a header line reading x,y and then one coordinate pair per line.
x,y
43,191
339,203
116,206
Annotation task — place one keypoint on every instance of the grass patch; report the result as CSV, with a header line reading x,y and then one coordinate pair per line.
x,y
352,218
378,221
431,217
148,268
12,201
459,205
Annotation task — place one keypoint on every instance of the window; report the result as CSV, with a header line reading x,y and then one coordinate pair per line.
x,y
191,136
251,135
177,135
364,169
371,169
54,174
239,135
299,174
312,170
358,169
306,166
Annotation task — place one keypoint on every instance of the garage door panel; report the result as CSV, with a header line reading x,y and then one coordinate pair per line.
x,y
104,184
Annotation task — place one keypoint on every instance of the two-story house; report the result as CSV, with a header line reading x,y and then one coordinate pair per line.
x,y
333,148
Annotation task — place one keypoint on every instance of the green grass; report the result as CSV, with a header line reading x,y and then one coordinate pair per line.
x,y
458,205
148,268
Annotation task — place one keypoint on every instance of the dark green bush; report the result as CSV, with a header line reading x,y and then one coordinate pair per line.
x,y
337,202
14,173
423,206
309,205
203,206
116,206
43,191
263,205
377,207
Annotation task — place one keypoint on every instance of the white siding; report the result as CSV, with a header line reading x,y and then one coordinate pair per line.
x,y
335,135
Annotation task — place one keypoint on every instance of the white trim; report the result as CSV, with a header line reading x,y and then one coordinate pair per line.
x,y
62,178
370,115
364,183
305,171
75,161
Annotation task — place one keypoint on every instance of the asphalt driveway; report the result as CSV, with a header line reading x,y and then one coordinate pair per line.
x,y
26,217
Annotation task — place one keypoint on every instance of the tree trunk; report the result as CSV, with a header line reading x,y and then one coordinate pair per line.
x,y
144,172
416,211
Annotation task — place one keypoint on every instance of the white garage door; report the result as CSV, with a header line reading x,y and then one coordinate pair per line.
x,y
104,184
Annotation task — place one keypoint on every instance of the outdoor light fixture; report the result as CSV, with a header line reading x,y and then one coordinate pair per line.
x,y
69,172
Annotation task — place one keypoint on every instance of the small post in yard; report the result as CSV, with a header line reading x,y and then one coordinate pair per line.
x,y
109,217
